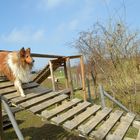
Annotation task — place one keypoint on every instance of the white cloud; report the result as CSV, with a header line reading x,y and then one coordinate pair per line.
x,y
51,4
23,35
54,3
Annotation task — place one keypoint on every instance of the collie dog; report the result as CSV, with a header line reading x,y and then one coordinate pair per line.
x,y
16,66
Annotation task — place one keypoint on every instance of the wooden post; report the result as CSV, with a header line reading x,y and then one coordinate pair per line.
x,y
1,121
102,96
66,75
89,92
69,76
83,77
52,75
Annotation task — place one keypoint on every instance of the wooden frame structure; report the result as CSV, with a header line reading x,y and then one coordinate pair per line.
x,y
65,62
89,120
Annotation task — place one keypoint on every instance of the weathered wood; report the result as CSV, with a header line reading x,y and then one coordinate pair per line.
x,y
44,105
81,117
31,93
45,73
136,124
66,75
122,128
83,77
51,113
52,75
107,125
116,101
86,128
7,124
126,138
45,55
1,121
70,113
6,84
35,91
41,98
69,77
13,109
74,56
13,89
138,136
102,96
41,73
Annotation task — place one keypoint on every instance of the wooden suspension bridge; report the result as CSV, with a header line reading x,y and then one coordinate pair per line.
x,y
73,114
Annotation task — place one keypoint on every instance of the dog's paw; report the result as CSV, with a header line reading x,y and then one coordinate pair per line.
x,y
23,95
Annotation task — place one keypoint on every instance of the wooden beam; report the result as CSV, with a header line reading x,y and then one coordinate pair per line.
x,y
41,55
1,121
45,55
74,56
83,77
69,76
52,75
102,96
66,75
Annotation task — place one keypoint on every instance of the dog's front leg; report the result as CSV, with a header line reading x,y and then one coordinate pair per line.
x,y
18,86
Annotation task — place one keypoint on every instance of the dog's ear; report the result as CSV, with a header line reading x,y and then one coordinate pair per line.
x,y
28,50
22,52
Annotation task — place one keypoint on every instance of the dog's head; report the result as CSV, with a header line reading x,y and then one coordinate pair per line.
x,y
25,56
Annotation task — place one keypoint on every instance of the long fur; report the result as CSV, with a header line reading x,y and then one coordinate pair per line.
x,y
17,67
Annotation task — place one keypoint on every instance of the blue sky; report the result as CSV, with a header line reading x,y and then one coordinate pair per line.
x,y
48,26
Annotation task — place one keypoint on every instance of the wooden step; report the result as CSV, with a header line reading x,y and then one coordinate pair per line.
x,y
138,136
7,124
129,138
51,113
38,108
86,128
5,115
70,113
81,117
13,89
104,129
41,98
30,93
5,84
122,128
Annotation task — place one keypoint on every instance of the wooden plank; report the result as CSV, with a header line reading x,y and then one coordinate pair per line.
x,y
51,113
42,98
30,93
107,125
122,128
13,89
13,109
86,128
52,75
46,55
136,124
15,94
44,105
83,77
81,117
126,138
7,124
1,121
70,77
70,113
138,136
5,84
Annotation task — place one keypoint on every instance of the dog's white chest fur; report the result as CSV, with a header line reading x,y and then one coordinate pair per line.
x,y
20,73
